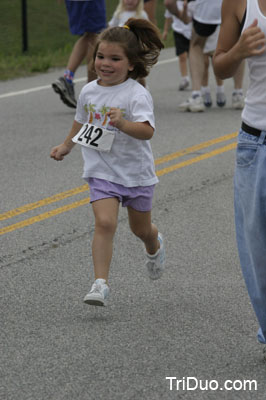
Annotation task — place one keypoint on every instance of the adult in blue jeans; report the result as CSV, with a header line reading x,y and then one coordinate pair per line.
x,y
86,18
242,36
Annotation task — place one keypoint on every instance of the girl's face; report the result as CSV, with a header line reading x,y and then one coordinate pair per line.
x,y
130,5
111,64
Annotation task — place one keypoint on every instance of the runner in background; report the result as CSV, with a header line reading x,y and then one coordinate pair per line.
x,y
206,18
243,35
86,19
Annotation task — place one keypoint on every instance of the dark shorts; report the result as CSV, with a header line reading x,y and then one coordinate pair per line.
x,y
86,16
138,197
204,30
181,43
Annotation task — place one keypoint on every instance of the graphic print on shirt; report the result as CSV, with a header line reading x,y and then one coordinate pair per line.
x,y
100,114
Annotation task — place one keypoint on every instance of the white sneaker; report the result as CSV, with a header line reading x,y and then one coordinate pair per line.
x,y
156,263
220,99
207,99
98,294
184,84
195,104
238,101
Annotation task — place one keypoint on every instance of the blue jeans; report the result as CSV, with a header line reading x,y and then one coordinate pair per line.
x,y
250,220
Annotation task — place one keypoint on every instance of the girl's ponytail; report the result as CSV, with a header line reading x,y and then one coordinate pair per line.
x,y
148,36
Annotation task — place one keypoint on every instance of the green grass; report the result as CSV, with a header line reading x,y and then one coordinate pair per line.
x,y
49,40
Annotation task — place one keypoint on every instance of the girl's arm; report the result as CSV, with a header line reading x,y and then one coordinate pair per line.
x,y
59,152
138,130
232,47
167,24
183,15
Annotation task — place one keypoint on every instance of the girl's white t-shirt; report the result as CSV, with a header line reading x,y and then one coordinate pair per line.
x,y
208,11
130,162
179,26
124,16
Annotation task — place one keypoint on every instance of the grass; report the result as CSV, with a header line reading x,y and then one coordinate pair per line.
x,y
49,40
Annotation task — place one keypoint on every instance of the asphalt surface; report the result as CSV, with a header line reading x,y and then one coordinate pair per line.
x,y
195,324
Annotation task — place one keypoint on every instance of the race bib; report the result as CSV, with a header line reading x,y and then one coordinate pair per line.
x,y
94,137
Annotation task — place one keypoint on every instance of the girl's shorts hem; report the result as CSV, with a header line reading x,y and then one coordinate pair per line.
x,y
204,30
137,197
181,43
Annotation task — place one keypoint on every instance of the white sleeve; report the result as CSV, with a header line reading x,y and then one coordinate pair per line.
x,y
113,22
167,14
142,109
144,15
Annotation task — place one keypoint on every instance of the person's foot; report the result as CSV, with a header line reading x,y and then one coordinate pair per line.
x,y
238,101
184,84
156,262
65,91
193,104
220,99
207,99
98,294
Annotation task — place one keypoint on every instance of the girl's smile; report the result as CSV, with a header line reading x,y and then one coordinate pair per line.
x,y
111,64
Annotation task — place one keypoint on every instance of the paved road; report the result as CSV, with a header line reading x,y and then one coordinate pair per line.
x,y
195,322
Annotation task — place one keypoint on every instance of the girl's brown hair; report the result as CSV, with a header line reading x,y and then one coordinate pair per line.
x,y
140,40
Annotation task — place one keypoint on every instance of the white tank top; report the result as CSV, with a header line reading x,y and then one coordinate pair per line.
x,y
208,11
254,113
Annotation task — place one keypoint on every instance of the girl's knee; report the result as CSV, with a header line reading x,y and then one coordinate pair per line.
x,y
141,232
105,224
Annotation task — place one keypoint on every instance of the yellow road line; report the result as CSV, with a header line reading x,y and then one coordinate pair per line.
x,y
197,147
196,159
43,216
83,188
79,203
43,202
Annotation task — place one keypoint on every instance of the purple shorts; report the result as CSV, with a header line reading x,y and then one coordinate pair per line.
x,y
138,197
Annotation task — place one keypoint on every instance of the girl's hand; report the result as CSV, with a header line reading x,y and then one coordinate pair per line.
x,y
252,42
59,152
116,117
164,35
184,13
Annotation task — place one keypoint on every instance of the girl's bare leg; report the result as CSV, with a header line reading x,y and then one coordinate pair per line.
x,y
141,225
106,214
183,64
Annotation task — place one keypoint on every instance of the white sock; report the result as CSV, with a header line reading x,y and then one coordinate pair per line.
x,y
185,78
196,93
205,89
238,91
220,89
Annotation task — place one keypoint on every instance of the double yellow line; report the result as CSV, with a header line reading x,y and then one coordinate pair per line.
x,y
84,188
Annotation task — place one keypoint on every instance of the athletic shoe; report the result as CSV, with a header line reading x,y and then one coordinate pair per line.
x,y
65,91
238,101
207,99
156,263
220,99
98,294
184,84
195,104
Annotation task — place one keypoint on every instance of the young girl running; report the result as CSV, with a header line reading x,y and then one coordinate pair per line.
x,y
182,35
118,163
128,9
